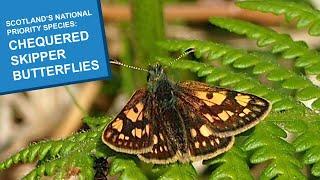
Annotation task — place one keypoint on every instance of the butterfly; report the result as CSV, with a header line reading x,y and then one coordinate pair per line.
x,y
189,121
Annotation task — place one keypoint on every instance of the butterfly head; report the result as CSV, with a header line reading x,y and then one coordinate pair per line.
x,y
156,76
156,73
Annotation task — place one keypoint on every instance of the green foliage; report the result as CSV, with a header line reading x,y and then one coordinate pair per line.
x,y
304,15
175,171
235,159
148,27
282,145
127,168
96,122
308,143
59,158
305,58
268,145
80,164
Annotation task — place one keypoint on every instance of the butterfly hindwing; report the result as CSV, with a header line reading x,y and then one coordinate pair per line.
x,y
227,112
164,151
201,141
197,143
132,130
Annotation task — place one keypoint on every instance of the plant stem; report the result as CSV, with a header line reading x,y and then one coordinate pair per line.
x,y
148,28
75,101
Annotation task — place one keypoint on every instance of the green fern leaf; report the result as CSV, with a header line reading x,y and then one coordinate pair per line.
x,y
306,16
56,158
309,143
78,164
48,149
127,169
316,104
308,93
306,58
175,171
231,165
265,138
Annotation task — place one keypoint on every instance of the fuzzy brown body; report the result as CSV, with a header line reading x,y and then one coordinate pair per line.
x,y
190,121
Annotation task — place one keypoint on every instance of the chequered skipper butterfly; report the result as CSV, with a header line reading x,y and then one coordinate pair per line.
x,y
190,121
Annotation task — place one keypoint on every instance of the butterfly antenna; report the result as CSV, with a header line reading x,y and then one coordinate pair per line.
x,y
116,62
185,53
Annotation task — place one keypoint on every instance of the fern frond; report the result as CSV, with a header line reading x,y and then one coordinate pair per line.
x,y
77,164
231,165
48,149
268,145
127,169
308,135
307,59
56,156
258,64
309,143
175,171
306,16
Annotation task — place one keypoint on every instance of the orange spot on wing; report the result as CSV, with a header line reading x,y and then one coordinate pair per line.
x,y
223,116
118,124
132,115
205,131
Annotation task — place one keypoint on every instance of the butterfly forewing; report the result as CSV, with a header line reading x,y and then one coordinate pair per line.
x,y
132,130
227,112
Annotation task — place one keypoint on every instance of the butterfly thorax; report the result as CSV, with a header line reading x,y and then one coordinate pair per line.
x,y
160,86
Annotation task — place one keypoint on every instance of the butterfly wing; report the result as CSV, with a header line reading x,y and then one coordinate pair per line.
x,y
195,140
201,141
227,112
162,152
132,130
164,149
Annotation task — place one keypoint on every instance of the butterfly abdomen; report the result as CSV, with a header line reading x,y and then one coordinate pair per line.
x,y
163,94
175,128
169,114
